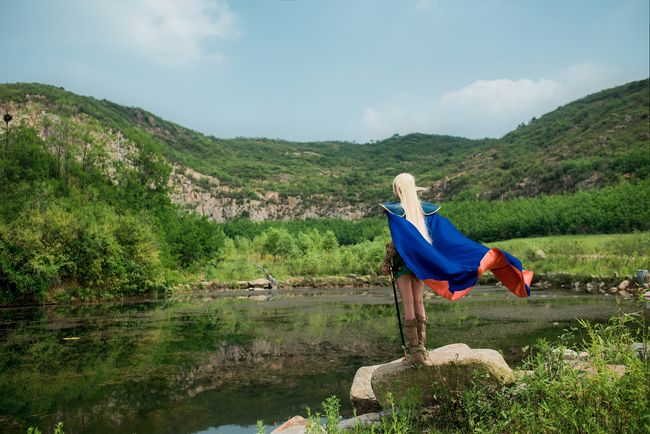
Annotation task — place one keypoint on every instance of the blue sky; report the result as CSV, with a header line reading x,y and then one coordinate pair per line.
x,y
315,70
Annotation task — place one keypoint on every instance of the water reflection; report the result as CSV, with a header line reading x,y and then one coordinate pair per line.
x,y
202,363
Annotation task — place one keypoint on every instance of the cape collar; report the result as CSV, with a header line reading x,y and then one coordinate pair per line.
x,y
396,208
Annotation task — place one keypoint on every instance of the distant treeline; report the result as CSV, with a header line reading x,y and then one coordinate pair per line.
x,y
347,232
616,209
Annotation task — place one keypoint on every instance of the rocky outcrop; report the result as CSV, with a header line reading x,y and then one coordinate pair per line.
x,y
455,366
259,283
298,424
206,195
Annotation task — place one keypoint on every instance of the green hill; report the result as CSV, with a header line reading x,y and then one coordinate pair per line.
x,y
95,197
596,141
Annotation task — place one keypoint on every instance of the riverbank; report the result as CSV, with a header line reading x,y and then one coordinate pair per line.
x,y
625,286
579,282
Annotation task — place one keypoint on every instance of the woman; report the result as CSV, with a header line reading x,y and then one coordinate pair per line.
x,y
427,249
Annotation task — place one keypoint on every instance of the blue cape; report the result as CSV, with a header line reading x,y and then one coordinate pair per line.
x,y
452,263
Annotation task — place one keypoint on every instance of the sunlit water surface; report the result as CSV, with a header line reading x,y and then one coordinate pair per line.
x,y
218,362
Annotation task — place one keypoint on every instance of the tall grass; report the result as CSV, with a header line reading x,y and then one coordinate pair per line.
x,y
564,397
620,254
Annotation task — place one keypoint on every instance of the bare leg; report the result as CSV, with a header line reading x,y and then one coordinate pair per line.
x,y
405,287
411,289
417,288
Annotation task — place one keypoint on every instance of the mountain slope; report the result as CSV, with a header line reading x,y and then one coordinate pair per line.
x,y
596,141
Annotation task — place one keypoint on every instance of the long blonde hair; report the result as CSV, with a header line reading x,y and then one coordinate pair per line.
x,y
405,189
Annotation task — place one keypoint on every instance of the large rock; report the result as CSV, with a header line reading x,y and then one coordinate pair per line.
x,y
453,365
362,397
260,283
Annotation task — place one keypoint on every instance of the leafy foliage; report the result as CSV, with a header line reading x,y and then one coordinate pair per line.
x,y
69,222
616,209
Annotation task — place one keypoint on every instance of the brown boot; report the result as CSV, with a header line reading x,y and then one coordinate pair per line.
x,y
417,356
422,338
422,329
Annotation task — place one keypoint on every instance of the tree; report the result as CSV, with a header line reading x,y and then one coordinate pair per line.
x,y
315,238
287,245
73,140
272,242
143,184
258,244
304,243
151,167
329,241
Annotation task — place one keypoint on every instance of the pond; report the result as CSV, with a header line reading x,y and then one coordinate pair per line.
x,y
218,362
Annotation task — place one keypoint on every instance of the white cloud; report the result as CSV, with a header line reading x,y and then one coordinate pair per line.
x,y
499,96
171,32
488,108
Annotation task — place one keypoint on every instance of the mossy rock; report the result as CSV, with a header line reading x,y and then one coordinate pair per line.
x,y
455,366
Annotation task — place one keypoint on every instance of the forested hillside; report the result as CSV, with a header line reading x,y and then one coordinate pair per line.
x,y
597,141
97,199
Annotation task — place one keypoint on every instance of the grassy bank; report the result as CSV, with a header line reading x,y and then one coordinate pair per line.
x,y
614,254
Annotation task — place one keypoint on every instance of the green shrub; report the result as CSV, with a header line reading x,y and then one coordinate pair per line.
x,y
556,397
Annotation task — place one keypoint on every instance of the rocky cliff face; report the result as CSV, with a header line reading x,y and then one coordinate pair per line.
x,y
190,189
205,195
